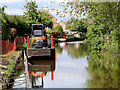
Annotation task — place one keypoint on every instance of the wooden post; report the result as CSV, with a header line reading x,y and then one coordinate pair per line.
x,y
28,43
51,41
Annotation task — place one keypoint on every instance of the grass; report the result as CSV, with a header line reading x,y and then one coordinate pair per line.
x,y
11,58
21,47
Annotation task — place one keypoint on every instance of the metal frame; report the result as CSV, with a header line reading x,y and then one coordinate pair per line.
x,y
34,25
37,24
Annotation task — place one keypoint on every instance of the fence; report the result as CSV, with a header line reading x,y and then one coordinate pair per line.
x,y
8,47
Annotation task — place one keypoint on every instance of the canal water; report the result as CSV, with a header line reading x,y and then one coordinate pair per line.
x,y
74,66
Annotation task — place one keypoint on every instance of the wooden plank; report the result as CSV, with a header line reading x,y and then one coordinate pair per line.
x,y
39,68
39,52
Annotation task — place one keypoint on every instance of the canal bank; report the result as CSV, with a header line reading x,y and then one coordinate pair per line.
x,y
9,64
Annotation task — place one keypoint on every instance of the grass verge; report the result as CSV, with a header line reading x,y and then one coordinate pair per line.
x,y
11,59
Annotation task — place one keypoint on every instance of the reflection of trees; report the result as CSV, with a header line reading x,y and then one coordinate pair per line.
x,y
59,50
103,69
77,52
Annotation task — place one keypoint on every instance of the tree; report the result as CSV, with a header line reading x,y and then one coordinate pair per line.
x,y
33,15
4,23
30,14
59,28
76,25
103,29
19,23
31,11
103,23
43,17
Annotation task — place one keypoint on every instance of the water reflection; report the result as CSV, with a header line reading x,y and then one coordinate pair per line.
x,y
103,69
71,67
75,50
74,67
38,68
58,48
102,66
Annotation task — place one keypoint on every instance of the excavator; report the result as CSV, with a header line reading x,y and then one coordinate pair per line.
x,y
38,36
38,42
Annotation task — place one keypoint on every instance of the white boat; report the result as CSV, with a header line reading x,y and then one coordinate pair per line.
x,y
62,39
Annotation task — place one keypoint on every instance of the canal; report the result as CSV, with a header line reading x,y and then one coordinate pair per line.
x,y
74,66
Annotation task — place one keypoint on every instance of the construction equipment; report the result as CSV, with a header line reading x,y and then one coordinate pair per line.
x,y
38,36
37,44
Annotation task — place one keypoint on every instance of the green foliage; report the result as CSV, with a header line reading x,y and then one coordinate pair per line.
x,y
12,21
17,22
76,25
4,24
102,21
44,18
30,14
22,47
31,11
33,15
10,69
59,28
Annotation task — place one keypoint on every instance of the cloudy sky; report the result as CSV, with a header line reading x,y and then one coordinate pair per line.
x,y
16,7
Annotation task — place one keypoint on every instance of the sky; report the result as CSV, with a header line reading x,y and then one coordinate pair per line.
x,y
16,7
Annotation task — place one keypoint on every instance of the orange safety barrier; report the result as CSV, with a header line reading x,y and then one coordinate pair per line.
x,y
8,47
